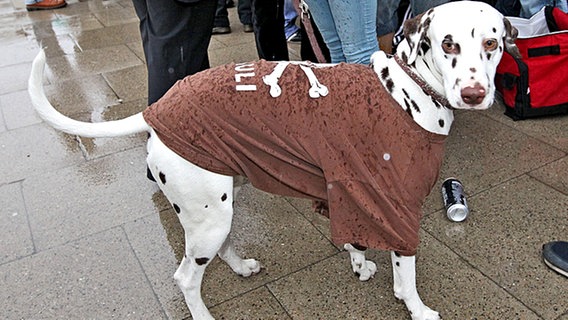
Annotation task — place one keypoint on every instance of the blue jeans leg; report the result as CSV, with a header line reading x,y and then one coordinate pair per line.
x,y
348,28
530,7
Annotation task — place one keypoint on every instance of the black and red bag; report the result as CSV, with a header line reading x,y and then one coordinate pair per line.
x,y
536,84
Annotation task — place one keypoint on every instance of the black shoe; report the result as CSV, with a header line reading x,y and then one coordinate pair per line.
x,y
221,30
248,28
555,255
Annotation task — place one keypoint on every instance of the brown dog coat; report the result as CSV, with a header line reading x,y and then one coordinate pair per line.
x,y
353,146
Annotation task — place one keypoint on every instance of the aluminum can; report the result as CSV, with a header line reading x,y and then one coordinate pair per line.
x,y
454,200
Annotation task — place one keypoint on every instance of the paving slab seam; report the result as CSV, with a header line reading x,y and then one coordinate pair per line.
x,y
513,129
279,302
464,260
505,181
267,283
542,180
148,282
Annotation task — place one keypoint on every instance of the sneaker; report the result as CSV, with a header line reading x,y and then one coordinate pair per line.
x,y
46,5
248,28
295,37
221,30
555,255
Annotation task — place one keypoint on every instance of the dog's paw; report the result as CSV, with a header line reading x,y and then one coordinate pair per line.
x,y
367,270
247,267
426,314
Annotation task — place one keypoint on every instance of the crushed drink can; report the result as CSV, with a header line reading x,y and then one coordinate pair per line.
x,y
454,200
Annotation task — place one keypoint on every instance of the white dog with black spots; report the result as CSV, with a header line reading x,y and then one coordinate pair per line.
x,y
447,62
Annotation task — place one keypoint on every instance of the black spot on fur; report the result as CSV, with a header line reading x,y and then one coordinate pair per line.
x,y
162,177
390,85
385,73
405,93
473,33
177,208
408,108
396,253
224,197
397,264
436,103
415,106
206,206
488,55
441,123
427,65
454,62
494,30
473,70
201,261
149,175
404,57
457,83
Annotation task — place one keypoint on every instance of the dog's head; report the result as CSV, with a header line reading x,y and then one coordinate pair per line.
x,y
461,44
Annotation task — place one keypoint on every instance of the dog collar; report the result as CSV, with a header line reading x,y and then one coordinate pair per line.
x,y
437,97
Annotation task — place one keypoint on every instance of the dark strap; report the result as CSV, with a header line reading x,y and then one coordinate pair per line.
x,y
303,10
425,86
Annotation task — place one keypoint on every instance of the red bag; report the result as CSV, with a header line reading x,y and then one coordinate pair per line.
x,y
537,84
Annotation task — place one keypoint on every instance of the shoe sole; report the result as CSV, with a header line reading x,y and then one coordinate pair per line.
x,y
555,268
46,8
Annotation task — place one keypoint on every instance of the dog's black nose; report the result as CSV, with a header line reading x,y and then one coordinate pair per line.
x,y
473,95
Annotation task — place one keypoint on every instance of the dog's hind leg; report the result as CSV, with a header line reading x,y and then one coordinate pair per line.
x,y
364,269
203,203
404,277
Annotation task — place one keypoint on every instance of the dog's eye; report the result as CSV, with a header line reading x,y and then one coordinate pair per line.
x,y
449,47
489,44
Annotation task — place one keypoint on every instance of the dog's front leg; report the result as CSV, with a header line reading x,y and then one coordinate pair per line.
x,y
404,277
364,269
189,276
242,267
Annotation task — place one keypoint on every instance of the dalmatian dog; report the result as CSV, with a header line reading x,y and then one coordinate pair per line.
x,y
447,61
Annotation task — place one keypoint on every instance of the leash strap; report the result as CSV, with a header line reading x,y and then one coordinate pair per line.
x,y
307,21
425,86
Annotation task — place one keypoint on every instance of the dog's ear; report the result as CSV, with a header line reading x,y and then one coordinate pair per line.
x,y
511,34
415,30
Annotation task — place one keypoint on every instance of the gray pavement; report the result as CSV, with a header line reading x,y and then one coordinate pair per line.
x,y
84,235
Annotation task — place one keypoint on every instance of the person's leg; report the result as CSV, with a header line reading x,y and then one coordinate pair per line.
x,y
420,6
530,7
356,26
387,23
245,14
510,8
290,15
323,17
175,37
221,24
268,22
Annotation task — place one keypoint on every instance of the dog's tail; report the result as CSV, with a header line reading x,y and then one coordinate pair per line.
x,y
130,125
